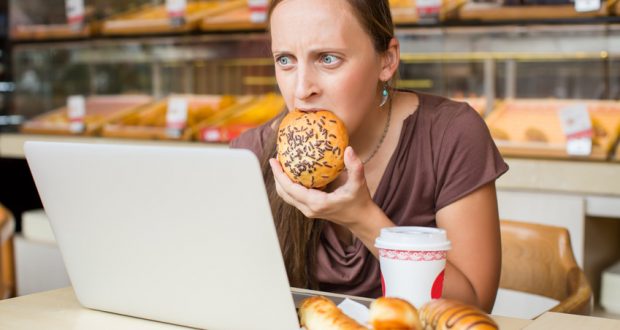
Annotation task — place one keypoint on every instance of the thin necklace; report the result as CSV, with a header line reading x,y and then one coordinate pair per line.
x,y
385,130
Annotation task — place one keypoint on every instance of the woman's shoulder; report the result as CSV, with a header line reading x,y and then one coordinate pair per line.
x,y
450,123
254,139
442,109
443,116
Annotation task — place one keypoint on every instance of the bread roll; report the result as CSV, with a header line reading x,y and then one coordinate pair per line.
x,y
499,134
311,147
393,314
320,313
446,314
535,135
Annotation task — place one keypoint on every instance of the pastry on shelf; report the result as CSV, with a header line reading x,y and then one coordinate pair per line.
x,y
235,19
226,125
535,135
496,12
151,121
407,12
532,127
47,20
499,134
154,19
99,110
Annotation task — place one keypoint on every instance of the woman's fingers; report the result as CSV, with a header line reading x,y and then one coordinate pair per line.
x,y
355,176
285,182
354,165
313,203
306,200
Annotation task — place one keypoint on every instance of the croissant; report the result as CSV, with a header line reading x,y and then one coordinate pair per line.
x,y
446,314
320,313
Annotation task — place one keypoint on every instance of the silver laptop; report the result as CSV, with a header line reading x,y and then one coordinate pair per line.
x,y
182,235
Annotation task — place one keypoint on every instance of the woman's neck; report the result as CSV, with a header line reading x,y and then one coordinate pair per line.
x,y
370,132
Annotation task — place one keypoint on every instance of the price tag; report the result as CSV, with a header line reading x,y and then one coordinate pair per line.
x,y
577,127
579,147
428,11
176,116
76,111
211,134
176,11
258,10
587,5
75,13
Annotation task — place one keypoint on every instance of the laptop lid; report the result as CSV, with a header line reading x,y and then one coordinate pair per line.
x,y
176,234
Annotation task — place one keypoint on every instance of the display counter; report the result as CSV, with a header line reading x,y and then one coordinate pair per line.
x,y
557,192
12,145
588,178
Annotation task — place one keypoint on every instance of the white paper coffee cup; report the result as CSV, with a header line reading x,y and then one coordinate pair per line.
x,y
413,260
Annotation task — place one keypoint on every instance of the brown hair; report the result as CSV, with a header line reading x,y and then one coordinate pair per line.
x,y
300,236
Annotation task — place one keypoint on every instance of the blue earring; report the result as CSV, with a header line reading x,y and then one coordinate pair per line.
x,y
384,95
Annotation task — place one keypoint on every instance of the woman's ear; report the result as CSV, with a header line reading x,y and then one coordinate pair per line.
x,y
390,60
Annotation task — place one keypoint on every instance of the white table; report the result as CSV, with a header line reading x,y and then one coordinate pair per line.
x,y
60,310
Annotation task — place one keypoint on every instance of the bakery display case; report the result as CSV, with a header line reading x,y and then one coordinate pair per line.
x,y
47,73
518,76
47,20
490,67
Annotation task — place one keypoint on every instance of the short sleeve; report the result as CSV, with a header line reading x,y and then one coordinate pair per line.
x,y
467,157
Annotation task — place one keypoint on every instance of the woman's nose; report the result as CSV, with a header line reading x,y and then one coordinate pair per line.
x,y
306,84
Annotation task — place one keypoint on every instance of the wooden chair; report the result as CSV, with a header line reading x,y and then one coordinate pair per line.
x,y
538,259
7,265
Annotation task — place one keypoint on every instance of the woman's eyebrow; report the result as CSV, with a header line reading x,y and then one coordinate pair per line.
x,y
327,50
313,51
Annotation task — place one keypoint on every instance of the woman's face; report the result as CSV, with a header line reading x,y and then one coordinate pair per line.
x,y
324,59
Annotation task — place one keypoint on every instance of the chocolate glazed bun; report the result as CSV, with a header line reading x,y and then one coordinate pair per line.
x,y
311,147
446,314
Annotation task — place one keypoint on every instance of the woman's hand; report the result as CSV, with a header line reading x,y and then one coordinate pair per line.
x,y
343,206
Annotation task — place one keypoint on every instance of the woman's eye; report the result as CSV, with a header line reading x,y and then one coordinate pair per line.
x,y
330,59
283,60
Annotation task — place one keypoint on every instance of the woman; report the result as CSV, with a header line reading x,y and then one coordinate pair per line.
x,y
414,159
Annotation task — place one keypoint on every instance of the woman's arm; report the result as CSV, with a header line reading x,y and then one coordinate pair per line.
x,y
474,262
349,206
472,225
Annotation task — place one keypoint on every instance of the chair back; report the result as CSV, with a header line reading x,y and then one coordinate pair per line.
x,y
7,261
538,259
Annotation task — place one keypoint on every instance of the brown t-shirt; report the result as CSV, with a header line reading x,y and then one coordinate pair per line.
x,y
444,152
